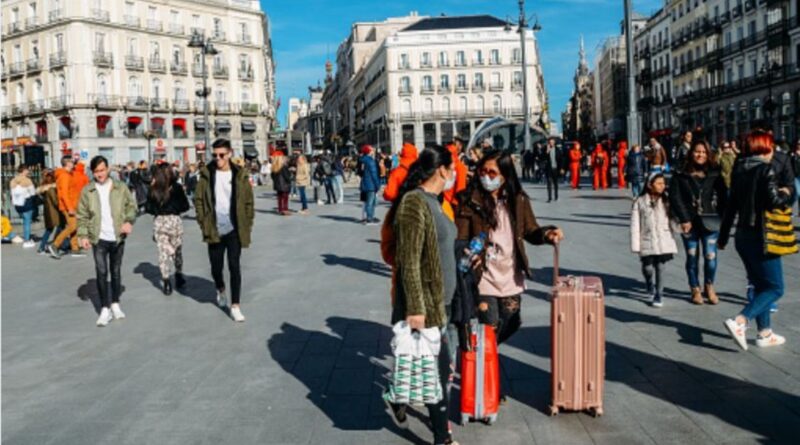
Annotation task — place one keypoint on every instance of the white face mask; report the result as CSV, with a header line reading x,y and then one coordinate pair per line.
x,y
450,182
490,184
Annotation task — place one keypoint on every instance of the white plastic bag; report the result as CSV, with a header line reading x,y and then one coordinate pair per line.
x,y
415,380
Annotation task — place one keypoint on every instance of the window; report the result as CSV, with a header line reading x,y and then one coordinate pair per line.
x,y
496,79
479,57
180,91
133,45
21,93
427,83
403,60
220,93
754,67
32,10
518,78
134,87
444,81
102,86
35,49
100,42
426,59
461,81
177,54
151,13
460,59
518,102
446,105
478,79
497,104
428,105
17,53
443,58
217,27
15,15
37,90
406,107
462,103
741,71
218,62
155,51
196,21
175,17
405,84
516,55
480,104
157,89
129,9
244,63
495,57
59,42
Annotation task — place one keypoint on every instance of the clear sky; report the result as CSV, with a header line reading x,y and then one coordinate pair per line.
x,y
306,32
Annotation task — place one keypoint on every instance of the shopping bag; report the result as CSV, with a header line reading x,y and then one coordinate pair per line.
x,y
415,376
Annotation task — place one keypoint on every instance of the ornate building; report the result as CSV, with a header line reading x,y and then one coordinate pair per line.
x,y
578,119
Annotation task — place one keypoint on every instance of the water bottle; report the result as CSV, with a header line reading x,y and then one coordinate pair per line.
x,y
475,248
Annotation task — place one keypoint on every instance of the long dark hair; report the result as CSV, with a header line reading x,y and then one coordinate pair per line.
x,y
664,196
510,190
689,166
420,171
163,178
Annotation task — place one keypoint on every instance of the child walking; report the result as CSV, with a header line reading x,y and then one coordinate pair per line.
x,y
651,235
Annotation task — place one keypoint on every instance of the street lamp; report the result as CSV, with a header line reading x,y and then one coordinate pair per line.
x,y
206,49
633,114
522,27
769,70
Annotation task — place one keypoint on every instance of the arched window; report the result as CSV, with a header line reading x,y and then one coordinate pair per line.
x,y
480,104
21,94
405,84
180,91
518,102
446,105
102,86
105,129
462,104
157,89
134,87
497,104
428,108
406,107
37,90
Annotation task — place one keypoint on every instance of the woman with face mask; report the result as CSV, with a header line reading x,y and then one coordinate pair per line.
x,y
497,206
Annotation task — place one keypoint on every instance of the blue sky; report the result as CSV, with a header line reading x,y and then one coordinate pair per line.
x,y
306,32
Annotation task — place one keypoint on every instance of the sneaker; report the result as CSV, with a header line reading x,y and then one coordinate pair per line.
x,y
772,339
737,331
656,302
222,301
17,240
236,314
28,244
77,254
42,252
116,311
105,317
53,252
397,413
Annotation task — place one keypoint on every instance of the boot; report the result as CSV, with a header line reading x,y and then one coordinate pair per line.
x,y
166,286
711,294
697,296
179,280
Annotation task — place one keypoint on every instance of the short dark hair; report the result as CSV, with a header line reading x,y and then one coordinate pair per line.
x,y
221,143
22,168
96,161
65,160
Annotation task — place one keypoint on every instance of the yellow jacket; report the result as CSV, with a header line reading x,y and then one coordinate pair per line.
x,y
6,226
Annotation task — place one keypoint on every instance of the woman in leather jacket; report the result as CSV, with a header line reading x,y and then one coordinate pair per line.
x,y
697,199
754,190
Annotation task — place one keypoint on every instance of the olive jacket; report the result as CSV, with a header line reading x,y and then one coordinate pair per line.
x,y
242,204
123,210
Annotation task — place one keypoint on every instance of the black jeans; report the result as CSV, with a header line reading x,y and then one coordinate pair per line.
x,y
552,184
438,411
108,258
502,313
216,253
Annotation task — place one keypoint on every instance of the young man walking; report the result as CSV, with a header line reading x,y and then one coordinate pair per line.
x,y
224,204
552,168
105,216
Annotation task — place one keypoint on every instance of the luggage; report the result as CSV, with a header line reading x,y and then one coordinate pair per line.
x,y
480,375
578,353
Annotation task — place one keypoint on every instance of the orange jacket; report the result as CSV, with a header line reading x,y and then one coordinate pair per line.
x,y
597,153
397,177
461,177
575,156
66,199
79,181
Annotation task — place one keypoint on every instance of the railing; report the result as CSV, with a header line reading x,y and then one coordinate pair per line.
x,y
180,105
460,62
218,35
199,105
246,75
245,38
137,102
33,65
101,14
57,103
461,89
134,63
478,88
58,59
155,25
427,89
197,70
102,59
248,109
107,101
405,91
404,66
444,89
444,64
478,62
157,65
495,62
31,22
516,87
496,87
222,107
158,103
736,11
426,65
14,27
36,106
195,30
18,109
178,68
132,20
16,69
55,15
220,72
176,28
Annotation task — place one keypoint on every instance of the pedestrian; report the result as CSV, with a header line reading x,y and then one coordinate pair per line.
x,y
67,205
167,201
552,167
575,155
225,210
408,155
338,179
456,147
23,195
474,156
140,181
324,172
657,157
651,235
106,213
754,191
383,169
794,158
281,182
426,267
622,155
264,172
370,183
498,207
303,180
683,150
727,159
636,170
190,182
8,231
697,200
53,219
599,167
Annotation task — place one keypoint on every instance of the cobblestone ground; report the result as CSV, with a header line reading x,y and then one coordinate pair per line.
x,y
309,364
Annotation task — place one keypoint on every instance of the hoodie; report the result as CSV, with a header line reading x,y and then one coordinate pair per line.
x,y
79,181
67,201
408,155
461,176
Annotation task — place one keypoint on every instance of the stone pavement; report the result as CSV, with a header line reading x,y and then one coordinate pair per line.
x,y
309,364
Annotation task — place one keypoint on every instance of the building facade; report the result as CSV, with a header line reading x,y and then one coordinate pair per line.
x,y
578,120
117,78
653,59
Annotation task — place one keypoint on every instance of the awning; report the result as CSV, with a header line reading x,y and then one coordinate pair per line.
x,y
248,126
102,122
199,124
134,120
41,128
250,151
8,142
222,125
157,121
179,123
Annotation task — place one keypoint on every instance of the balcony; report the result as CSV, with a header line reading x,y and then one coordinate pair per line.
x,y
18,110
55,15
156,65
461,89
220,72
245,38
478,62
57,103
159,104
496,86
181,105
736,11
478,88
246,75
107,102
724,18
4,72
14,27
197,70
460,63
199,105
749,5
222,107
135,63
444,63
58,59
218,36
444,89
199,31
517,61
137,103
178,68
495,62
132,21
33,66
176,28
36,106
31,22
248,109
426,65
16,69
427,89
101,14
155,25
405,91
516,87
103,60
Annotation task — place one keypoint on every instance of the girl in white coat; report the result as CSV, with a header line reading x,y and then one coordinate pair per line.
x,y
651,235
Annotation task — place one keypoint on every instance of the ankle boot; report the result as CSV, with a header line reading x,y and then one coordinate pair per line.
x,y
697,296
166,286
711,294
179,280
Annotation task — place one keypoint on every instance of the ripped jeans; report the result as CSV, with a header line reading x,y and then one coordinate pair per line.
x,y
502,313
693,241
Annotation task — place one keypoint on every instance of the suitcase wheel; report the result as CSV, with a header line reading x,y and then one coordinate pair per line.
x,y
596,412
552,410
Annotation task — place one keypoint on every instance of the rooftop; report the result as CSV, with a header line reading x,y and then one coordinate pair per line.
x,y
456,22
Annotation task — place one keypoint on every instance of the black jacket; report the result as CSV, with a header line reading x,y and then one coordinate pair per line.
x,y
548,168
700,201
754,190
794,160
282,180
175,205
782,165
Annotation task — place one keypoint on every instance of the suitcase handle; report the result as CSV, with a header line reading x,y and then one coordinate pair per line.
x,y
555,265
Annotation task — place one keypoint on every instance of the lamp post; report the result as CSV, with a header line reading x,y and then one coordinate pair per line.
x,y
633,114
768,70
206,49
522,27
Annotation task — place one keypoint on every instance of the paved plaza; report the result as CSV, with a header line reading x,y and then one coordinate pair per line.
x,y
310,363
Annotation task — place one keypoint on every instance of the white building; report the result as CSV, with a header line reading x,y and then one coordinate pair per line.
x,y
652,54
96,76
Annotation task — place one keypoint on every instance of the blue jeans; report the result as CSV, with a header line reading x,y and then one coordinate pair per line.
x,y
369,206
329,190
338,187
636,188
26,212
797,192
692,242
303,200
46,236
764,272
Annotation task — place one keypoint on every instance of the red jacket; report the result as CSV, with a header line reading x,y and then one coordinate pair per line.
x,y
461,177
596,154
397,177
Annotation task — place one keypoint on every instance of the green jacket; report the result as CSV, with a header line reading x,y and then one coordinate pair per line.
x,y
123,210
242,204
420,285
726,161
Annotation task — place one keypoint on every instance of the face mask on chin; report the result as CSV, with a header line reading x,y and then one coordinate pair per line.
x,y
490,184
450,182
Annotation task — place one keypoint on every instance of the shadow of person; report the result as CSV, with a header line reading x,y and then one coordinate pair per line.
x,y
199,289
362,265
350,219
88,292
341,370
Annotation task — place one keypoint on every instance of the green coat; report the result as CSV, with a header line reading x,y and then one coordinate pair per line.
x,y
242,204
123,210
420,284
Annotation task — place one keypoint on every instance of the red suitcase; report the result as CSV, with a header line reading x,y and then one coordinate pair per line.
x,y
578,343
480,376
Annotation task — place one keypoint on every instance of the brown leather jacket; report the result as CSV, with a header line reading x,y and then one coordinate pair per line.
x,y
470,221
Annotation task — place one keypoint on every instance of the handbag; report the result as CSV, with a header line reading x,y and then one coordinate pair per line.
x,y
779,236
415,376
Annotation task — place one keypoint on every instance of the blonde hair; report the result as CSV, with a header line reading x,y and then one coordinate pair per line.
x,y
277,163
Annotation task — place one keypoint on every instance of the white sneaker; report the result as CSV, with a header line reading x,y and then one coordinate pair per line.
x,y
222,301
772,340
28,244
737,331
117,311
236,314
105,317
17,240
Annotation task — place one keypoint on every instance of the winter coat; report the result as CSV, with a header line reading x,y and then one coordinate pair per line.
x,y
696,200
408,155
651,233
123,210
282,180
370,181
52,217
79,179
242,204
303,175
22,190
636,167
176,203
67,201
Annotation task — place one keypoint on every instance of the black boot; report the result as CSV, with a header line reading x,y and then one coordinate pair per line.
x,y
166,286
179,280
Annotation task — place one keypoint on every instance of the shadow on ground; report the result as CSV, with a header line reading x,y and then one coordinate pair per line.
x,y
198,289
359,264
88,292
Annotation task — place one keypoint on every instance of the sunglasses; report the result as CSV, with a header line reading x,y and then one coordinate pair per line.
x,y
490,173
218,155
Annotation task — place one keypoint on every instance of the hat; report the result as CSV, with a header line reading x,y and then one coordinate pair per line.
x,y
366,149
